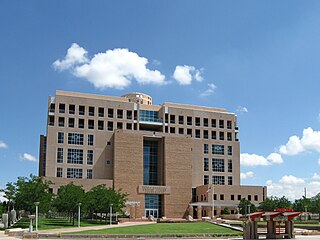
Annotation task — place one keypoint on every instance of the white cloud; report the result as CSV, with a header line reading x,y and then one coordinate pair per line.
x,y
2,198
246,175
28,157
210,90
253,160
115,68
310,141
75,55
316,176
3,144
293,187
319,161
242,109
185,74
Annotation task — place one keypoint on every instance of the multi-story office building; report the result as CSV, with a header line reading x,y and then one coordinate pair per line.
x,y
172,159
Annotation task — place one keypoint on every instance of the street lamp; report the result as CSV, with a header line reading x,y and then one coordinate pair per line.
x,y
79,205
37,205
111,213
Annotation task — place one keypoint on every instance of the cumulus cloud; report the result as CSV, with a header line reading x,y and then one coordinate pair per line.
x,y
185,74
75,55
246,175
293,187
253,160
310,141
210,90
2,198
3,144
28,157
115,68
242,109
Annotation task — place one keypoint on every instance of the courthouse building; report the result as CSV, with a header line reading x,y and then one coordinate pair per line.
x,y
172,159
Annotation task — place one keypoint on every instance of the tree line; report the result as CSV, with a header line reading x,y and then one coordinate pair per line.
x,y
23,194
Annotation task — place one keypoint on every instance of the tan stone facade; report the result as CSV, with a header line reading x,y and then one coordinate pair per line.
x,y
165,157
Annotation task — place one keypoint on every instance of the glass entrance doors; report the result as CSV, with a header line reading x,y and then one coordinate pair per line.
x,y
152,212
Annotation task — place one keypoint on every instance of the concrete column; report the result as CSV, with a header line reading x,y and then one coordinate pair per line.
x,y
289,229
199,212
271,230
5,220
190,210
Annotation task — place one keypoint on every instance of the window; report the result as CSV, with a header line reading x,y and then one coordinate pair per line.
x,y
52,107
90,157
189,120
51,121
81,123
172,130
197,133
59,172
213,135
206,164
91,111
75,156
221,196
110,112
229,124
205,179
149,116
232,197
62,108
135,126
205,134
218,149
71,123
109,143
205,148
100,125
213,123
249,197
59,155
101,112
230,150
197,121
89,173
60,137
221,123
91,124
74,173
72,109
135,117
229,165
108,162
218,180
229,136
221,136
81,110
256,198
119,125
181,131
189,132
214,196
239,197
90,140
129,126
110,126
205,122
181,120
166,117
229,180
217,165
61,121
75,138
129,114
172,119
120,113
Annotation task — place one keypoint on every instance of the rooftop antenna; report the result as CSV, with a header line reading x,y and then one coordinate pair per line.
x,y
305,192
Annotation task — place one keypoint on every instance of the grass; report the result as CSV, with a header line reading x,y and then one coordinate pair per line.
x,y
167,228
54,223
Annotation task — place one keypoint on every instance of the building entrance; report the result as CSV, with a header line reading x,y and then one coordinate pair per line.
x,y
152,212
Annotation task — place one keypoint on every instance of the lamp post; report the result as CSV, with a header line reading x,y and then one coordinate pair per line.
x,y
111,213
37,205
79,205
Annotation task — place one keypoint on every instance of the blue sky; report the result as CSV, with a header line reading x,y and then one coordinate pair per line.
x,y
259,59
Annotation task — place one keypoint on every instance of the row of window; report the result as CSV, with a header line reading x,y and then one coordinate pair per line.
x,y
217,165
91,110
216,149
76,138
74,173
232,197
74,156
217,180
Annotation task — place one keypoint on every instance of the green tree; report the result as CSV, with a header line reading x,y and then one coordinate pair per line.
x,y
245,206
302,204
315,204
68,198
10,193
270,204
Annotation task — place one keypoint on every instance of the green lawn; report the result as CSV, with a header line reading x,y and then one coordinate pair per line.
x,y
53,223
167,228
